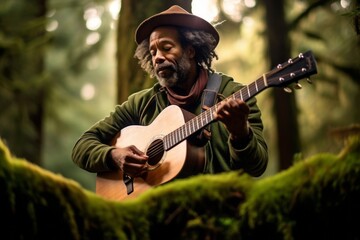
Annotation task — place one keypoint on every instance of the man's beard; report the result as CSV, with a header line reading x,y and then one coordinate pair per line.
x,y
179,72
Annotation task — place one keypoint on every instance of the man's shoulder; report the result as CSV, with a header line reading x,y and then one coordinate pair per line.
x,y
228,83
143,96
156,88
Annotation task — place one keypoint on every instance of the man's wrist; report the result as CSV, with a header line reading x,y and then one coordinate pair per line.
x,y
110,161
241,142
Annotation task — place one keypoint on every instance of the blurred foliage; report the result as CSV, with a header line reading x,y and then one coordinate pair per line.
x,y
78,78
325,27
70,65
23,80
82,65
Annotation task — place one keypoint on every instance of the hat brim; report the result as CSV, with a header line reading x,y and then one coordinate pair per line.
x,y
174,19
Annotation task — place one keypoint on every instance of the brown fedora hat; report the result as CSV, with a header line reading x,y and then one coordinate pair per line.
x,y
174,16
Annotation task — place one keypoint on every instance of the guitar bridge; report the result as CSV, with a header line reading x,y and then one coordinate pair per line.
x,y
129,183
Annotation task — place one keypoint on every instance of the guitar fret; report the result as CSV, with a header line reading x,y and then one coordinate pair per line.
x,y
165,142
172,139
256,86
191,127
248,90
207,118
193,122
182,132
178,137
168,141
188,128
241,96
237,95
265,80
252,89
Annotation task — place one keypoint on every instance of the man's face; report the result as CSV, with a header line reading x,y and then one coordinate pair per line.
x,y
170,60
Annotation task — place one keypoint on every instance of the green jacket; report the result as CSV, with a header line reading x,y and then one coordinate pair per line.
x,y
92,149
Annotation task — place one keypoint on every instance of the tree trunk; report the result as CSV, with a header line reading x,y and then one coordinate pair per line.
x,y
23,97
288,140
130,77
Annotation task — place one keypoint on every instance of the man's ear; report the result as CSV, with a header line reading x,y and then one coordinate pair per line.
x,y
190,51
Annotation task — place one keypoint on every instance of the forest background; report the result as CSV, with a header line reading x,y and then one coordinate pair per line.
x,y
65,64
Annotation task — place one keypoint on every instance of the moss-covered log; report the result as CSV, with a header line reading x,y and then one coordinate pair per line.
x,y
317,198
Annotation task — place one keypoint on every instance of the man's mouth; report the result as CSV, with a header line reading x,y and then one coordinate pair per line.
x,y
165,71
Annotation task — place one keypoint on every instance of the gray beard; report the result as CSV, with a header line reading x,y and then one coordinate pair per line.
x,y
178,76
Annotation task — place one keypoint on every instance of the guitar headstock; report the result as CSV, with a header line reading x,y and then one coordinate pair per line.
x,y
295,69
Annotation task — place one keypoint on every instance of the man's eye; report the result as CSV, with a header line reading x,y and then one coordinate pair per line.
x,y
152,53
167,48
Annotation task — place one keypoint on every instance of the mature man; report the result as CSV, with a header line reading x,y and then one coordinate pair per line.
x,y
177,48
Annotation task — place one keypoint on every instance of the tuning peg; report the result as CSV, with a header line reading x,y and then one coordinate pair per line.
x,y
309,80
287,89
298,86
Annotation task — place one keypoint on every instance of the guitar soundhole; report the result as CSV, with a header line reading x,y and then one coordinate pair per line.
x,y
155,152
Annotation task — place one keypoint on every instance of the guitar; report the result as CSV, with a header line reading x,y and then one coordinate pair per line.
x,y
166,143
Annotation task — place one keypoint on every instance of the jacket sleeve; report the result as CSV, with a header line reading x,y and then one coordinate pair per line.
x,y
91,151
253,157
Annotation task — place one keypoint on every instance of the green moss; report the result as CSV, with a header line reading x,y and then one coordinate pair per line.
x,y
317,197
316,186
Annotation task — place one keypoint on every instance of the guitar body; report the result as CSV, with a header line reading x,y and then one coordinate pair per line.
x,y
182,160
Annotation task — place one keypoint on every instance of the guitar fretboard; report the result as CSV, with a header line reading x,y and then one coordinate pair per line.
x,y
206,117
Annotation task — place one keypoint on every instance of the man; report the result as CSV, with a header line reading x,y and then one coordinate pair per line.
x,y
177,48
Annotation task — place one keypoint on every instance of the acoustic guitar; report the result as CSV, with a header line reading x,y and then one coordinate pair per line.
x,y
166,139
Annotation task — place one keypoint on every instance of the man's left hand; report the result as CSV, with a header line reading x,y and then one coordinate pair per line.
x,y
234,114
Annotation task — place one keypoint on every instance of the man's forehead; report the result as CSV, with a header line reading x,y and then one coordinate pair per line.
x,y
164,32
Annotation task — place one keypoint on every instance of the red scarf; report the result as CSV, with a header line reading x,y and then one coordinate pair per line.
x,y
184,101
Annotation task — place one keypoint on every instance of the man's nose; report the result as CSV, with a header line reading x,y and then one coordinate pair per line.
x,y
159,57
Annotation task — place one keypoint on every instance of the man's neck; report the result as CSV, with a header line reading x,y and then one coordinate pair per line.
x,y
187,83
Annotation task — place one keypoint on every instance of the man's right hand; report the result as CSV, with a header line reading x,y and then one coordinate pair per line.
x,y
130,160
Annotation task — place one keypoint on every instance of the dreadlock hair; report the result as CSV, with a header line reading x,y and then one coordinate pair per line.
x,y
203,43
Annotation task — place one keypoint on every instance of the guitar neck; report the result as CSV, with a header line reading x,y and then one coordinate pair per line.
x,y
304,65
207,117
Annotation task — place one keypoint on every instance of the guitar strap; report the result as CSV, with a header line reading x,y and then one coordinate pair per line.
x,y
209,96
211,90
